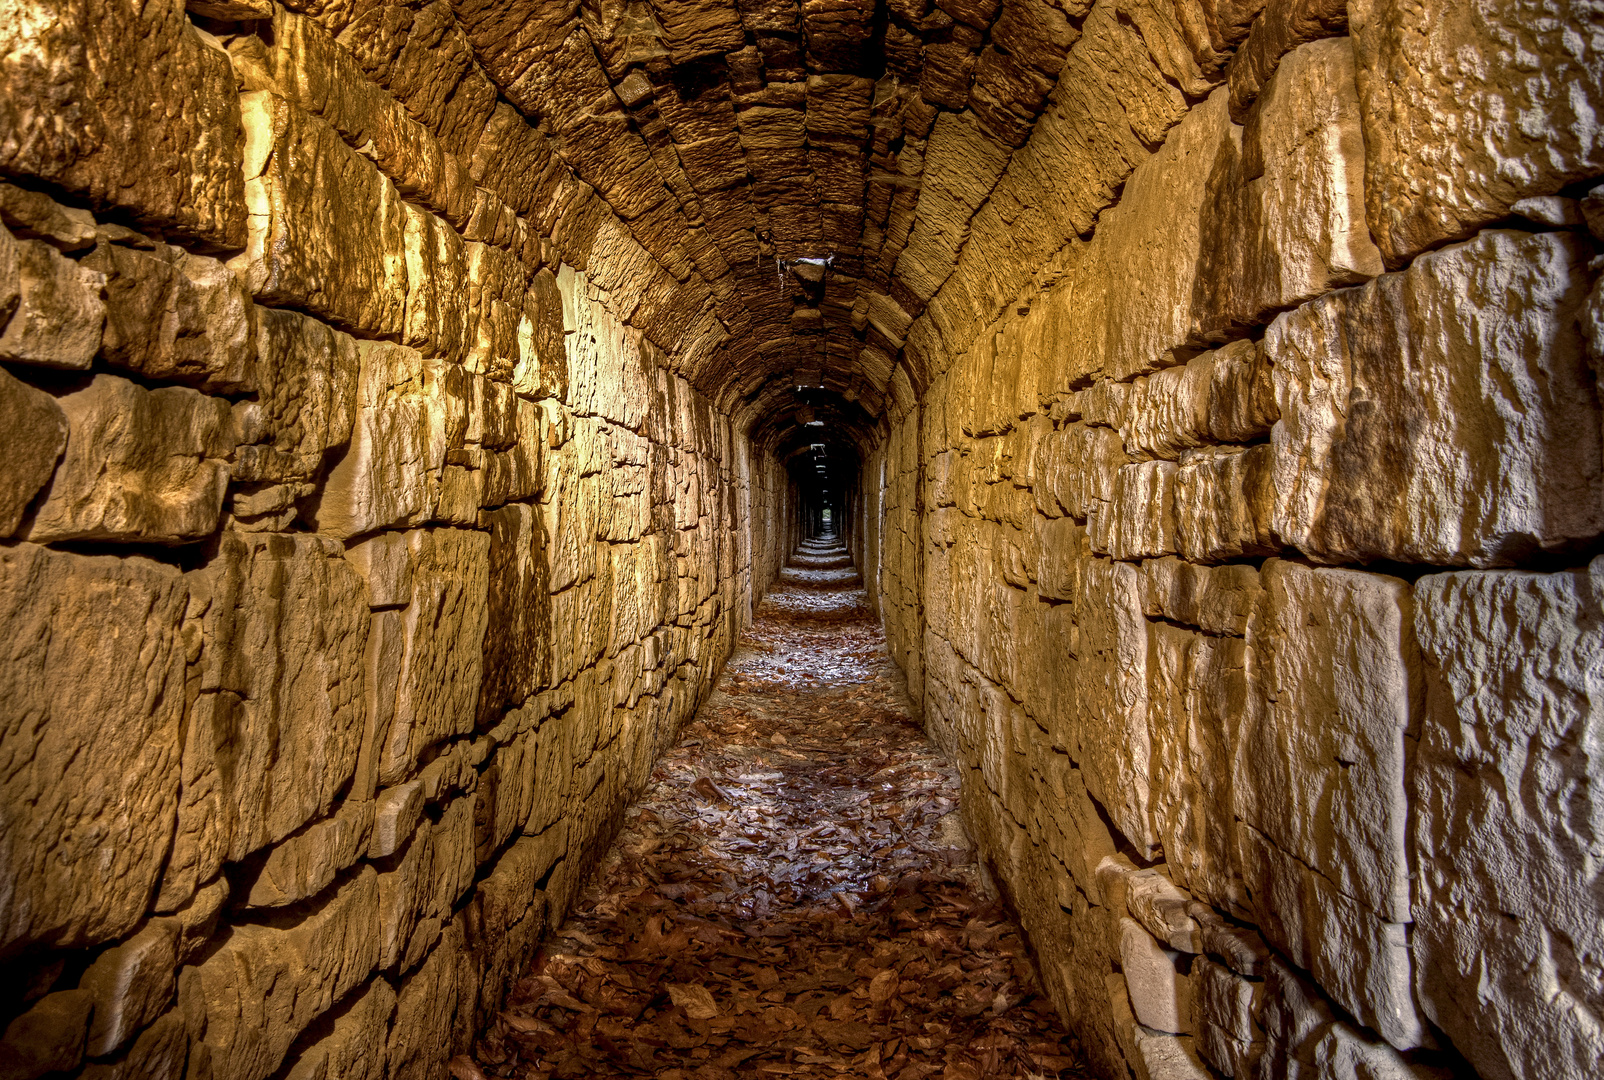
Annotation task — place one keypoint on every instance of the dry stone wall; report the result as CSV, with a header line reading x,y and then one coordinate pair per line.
x,y
359,550
1244,544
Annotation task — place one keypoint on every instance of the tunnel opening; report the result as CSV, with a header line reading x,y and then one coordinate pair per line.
x,y
414,407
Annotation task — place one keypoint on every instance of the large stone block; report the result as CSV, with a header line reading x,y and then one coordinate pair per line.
x,y
275,733
349,1050
407,412
60,309
141,466
327,230
434,666
1148,246
1114,748
1357,957
173,316
305,403
1285,219
1470,107
124,103
1320,764
1223,396
37,434
1509,917
266,984
1444,414
1224,502
517,642
94,683
132,985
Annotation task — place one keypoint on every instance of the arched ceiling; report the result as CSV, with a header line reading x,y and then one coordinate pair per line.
x,y
804,169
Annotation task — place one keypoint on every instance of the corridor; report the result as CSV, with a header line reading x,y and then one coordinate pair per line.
x,y
793,895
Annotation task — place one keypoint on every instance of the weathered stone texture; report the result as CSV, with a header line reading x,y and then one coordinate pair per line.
x,y
37,432
60,312
1443,415
123,103
93,681
1467,108
1508,824
141,466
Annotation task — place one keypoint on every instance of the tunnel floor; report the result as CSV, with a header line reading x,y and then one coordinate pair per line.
x,y
793,895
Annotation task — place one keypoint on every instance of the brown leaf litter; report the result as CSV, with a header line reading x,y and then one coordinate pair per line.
x,y
793,895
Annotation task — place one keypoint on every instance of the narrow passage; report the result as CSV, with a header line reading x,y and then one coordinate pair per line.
x,y
794,894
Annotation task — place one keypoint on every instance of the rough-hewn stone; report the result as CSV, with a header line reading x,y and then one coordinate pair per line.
x,y
93,678
1509,906
1440,85
37,433
123,103
1444,414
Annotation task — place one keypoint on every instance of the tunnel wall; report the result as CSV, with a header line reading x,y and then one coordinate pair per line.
x,y
1242,542
359,550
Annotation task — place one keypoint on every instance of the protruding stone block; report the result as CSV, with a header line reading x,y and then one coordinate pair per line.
x,y
1510,908
60,310
1439,83
94,681
132,985
1445,414
141,466
36,433
124,103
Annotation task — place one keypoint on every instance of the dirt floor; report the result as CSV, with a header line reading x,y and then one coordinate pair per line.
x,y
794,894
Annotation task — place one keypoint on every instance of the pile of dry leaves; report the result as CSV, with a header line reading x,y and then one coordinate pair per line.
x,y
794,895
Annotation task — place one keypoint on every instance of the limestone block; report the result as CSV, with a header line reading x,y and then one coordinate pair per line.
x,y
1198,694
438,659
1139,521
159,1050
385,562
327,237
517,641
1510,905
60,312
306,399
426,1003
395,816
1161,997
1228,1004
1215,599
132,985
1224,501
145,466
1320,768
37,216
1078,465
1443,414
1438,83
1285,25
436,314
94,678
173,316
49,1037
1358,957
36,435
126,105
1345,1053
1162,1056
275,733
542,368
265,984
405,416
1223,396
407,915
308,862
1110,677
350,1050
1285,220
1148,246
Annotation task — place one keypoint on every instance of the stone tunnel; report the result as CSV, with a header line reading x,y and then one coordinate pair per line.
x,y
406,402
